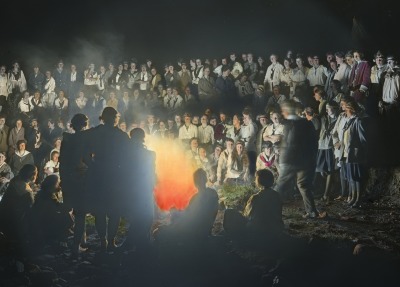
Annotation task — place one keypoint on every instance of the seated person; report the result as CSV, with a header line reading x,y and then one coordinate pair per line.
x,y
5,173
194,224
53,165
50,221
262,217
16,204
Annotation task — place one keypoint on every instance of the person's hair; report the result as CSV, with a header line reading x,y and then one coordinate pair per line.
x,y
27,172
225,68
229,140
235,155
21,142
137,135
353,105
322,94
267,144
265,178
333,105
339,54
109,114
192,139
309,111
79,121
53,153
289,106
361,53
200,177
48,186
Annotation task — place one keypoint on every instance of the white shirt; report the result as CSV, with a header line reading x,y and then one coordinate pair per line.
x,y
50,85
273,75
186,133
390,93
4,85
317,76
249,135
206,134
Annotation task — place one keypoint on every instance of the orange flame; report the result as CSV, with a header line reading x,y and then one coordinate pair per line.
x,y
175,185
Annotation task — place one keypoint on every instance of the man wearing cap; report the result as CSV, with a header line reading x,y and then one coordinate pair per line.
x,y
188,130
105,152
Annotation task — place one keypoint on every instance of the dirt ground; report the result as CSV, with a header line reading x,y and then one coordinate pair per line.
x,y
316,252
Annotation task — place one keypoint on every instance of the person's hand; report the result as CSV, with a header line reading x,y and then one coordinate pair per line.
x,y
337,145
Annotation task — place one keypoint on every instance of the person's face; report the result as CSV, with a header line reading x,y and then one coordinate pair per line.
x,y
204,120
348,110
222,117
213,122
379,61
55,157
183,66
217,151
48,74
195,120
126,66
2,121
162,125
260,60
198,62
339,60
244,57
102,69
178,119
169,91
187,120
144,69
112,95
286,64
224,62
317,97
149,63
34,124
61,94
194,144
2,158
316,62
50,125
275,118
150,119
2,70
299,63
126,95
21,147
207,72
122,126
170,124
343,105
175,92
246,119
263,121
310,61
250,58
36,70
136,93
329,110
229,145
18,124
272,59
110,67
153,72
329,58
356,56
226,73
235,121
61,126
120,68
91,67
202,152
276,91
289,54
350,60
232,57
26,95
333,65
187,91
391,63
243,79
36,95
60,65
239,148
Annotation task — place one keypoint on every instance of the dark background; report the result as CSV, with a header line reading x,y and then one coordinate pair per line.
x,y
164,30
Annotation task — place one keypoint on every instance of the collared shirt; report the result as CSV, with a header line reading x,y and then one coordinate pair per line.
x,y
390,93
206,134
249,134
188,132
317,76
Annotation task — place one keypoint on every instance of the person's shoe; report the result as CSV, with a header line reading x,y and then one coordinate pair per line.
x,y
112,247
315,215
339,198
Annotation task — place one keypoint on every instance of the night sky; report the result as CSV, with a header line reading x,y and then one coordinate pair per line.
x,y
165,30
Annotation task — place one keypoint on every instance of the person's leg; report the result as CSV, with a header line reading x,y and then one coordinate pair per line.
x,y
79,230
344,184
304,183
285,180
101,227
112,229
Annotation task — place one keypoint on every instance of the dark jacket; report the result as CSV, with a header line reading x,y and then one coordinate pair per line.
x,y
299,144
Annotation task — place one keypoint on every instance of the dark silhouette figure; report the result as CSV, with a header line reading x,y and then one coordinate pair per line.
x,y
73,171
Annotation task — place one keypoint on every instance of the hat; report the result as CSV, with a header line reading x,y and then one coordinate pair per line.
x,y
262,116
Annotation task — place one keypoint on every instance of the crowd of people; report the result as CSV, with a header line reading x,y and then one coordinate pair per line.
x,y
233,118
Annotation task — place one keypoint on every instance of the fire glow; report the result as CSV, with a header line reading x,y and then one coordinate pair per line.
x,y
175,186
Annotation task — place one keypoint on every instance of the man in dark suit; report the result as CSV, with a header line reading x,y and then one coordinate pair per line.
x,y
298,157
